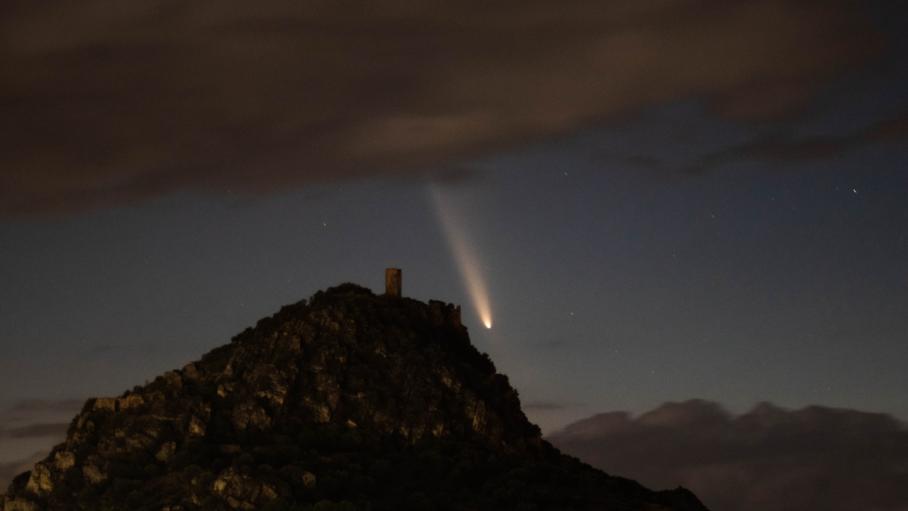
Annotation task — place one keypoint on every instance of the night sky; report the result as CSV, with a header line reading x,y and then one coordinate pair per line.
x,y
688,199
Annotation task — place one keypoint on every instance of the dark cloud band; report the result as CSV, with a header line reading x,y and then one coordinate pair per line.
x,y
107,101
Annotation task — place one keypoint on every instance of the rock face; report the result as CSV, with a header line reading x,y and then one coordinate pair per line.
x,y
348,401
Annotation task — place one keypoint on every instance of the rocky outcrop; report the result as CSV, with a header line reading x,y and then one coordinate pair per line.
x,y
347,401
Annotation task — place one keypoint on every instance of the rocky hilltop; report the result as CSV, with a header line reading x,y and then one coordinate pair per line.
x,y
347,401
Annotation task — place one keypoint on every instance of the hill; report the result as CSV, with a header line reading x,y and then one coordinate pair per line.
x,y
349,400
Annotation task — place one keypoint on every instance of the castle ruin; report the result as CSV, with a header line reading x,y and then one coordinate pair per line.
x,y
393,281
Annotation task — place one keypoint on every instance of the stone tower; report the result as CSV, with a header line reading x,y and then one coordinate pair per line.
x,y
393,282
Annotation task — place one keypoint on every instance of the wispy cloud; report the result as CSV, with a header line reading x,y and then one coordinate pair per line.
x,y
549,406
40,430
793,149
32,427
10,470
34,406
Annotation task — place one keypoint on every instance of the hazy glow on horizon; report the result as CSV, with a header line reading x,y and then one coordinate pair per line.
x,y
464,256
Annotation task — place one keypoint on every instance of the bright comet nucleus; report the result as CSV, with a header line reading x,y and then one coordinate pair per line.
x,y
464,256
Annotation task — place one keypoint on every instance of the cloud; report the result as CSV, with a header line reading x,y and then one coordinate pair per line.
x,y
39,430
9,470
107,101
788,149
34,417
33,406
768,458
38,417
549,406
28,430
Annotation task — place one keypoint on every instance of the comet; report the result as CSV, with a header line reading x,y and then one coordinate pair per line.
x,y
464,256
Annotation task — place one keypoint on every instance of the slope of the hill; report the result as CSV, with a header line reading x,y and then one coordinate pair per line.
x,y
347,401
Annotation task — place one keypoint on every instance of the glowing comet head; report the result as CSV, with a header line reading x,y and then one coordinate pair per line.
x,y
466,259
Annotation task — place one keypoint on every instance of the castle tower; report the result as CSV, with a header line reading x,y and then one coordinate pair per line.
x,y
393,282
